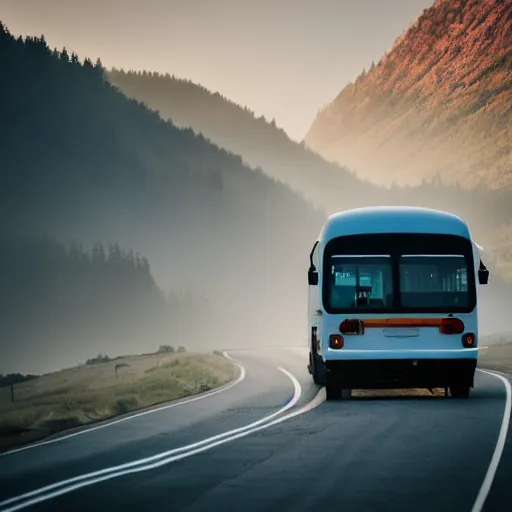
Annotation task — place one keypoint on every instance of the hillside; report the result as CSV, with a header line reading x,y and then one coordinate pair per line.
x,y
68,303
439,103
82,161
260,143
330,187
89,393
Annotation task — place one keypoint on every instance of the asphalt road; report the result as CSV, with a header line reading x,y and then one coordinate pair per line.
x,y
301,453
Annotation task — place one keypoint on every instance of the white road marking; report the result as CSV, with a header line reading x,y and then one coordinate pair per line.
x,y
108,423
498,451
68,485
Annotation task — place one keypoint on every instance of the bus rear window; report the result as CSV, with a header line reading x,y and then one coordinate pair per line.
x,y
398,273
360,282
433,281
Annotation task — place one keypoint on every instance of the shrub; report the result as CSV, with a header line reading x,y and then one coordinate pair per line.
x,y
100,358
165,349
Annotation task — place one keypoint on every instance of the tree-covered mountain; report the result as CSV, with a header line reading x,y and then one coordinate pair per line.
x,y
489,212
438,103
60,305
81,160
260,143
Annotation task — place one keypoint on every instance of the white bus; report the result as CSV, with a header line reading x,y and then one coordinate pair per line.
x,y
393,301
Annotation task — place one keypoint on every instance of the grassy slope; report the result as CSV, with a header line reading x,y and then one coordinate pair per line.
x,y
86,394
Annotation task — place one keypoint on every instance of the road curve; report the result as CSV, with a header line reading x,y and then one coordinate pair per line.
x,y
270,442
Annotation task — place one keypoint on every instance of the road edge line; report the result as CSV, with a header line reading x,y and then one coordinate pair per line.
x,y
500,445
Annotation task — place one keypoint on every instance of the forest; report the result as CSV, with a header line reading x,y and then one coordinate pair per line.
x,y
68,303
81,161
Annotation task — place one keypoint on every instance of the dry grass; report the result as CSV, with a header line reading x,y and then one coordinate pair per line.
x,y
87,394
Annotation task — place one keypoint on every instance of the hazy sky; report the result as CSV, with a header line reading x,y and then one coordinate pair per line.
x,y
281,58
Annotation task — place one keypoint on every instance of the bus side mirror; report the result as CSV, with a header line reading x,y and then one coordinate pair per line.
x,y
312,277
483,276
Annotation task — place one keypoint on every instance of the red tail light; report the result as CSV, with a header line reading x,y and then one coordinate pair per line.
x,y
451,326
349,326
336,341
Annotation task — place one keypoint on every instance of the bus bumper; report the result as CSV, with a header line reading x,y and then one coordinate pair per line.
x,y
401,373
347,354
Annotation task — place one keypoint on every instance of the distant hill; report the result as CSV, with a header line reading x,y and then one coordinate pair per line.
x,y
331,187
81,160
60,304
489,212
261,143
439,103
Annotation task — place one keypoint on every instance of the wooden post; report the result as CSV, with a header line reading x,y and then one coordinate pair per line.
x,y
12,392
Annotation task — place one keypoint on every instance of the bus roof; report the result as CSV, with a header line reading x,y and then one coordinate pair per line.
x,y
393,219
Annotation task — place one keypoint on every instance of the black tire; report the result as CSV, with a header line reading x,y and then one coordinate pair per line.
x,y
459,390
318,370
332,391
335,392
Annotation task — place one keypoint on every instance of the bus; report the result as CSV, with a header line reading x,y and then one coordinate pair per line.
x,y
393,302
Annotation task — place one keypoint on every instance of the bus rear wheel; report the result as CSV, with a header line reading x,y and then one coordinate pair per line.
x,y
459,390
318,370
334,390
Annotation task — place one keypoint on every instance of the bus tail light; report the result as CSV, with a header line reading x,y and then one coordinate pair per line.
x,y
451,326
468,340
350,326
336,341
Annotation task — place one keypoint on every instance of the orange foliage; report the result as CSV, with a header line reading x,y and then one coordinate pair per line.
x,y
444,90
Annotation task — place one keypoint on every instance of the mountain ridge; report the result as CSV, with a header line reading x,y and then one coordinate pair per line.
x,y
260,143
437,104
190,104
81,160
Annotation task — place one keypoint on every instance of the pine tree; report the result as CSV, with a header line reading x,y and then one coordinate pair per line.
x,y
64,56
